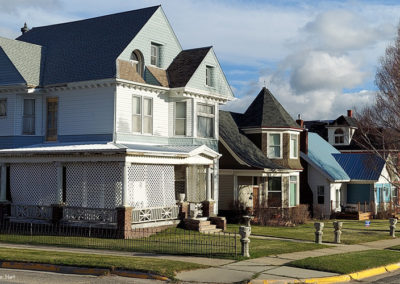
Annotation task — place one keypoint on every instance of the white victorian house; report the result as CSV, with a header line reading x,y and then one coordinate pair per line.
x,y
108,119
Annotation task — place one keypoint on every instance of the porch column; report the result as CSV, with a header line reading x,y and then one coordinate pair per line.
x,y
59,183
125,185
208,184
216,184
3,185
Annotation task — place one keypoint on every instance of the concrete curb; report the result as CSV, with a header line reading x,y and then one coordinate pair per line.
x,y
78,270
336,279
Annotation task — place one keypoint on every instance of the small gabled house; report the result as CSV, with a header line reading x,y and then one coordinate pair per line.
x,y
343,181
108,119
260,155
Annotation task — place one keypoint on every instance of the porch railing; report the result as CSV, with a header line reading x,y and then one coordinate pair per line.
x,y
155,214
22,211
90,215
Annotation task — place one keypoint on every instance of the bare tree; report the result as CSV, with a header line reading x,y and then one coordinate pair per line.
x,y
379,123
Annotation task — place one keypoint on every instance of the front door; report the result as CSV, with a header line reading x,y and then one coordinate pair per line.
x,y
52,117
256,200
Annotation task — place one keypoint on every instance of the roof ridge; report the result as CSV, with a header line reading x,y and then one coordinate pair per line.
x,y
97,17
197,48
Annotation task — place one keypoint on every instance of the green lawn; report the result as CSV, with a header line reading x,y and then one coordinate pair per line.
x,y
261,247
353,232
161,267
349,262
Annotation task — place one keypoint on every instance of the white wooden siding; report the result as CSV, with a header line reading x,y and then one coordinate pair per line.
x,y
161,123
198,80
315,179
226,192
156,30
84,111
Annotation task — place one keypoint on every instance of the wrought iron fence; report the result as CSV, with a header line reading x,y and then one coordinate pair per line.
x,y
149,240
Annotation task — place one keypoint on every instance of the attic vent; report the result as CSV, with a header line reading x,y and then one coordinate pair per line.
x,y
24,29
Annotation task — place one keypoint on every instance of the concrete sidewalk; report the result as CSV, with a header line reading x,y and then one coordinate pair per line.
x,y
273,267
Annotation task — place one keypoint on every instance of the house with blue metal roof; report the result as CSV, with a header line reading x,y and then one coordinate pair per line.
x,y
106,113
342,181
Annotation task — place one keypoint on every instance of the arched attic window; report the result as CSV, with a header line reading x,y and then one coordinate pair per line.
x,y
137,58
339,136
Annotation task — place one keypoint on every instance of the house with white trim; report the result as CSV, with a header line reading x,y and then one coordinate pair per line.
x,y
260,156
108,119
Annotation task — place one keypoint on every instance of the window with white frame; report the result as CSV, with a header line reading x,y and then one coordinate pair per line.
x,y
294,148
137,59
3,107
274,191
339,136
180,118
274,145
155,55
142,115
205,120
209,76
28,123
321,194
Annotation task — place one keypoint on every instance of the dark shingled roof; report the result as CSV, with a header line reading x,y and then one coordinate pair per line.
x,y
241,145
345,120
184,65
9,75
86,49
266,111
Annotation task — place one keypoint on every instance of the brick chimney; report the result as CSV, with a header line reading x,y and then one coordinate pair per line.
x,y
304,141
300,121
350,113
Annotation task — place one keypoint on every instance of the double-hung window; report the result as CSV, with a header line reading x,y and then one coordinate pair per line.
x,y
274,145
294,153
142,115
274,192
339,136
321,194
28,124
155,55
3,108
180,118
205,120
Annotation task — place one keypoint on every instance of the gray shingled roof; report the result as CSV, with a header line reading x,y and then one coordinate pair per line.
x,y
25,60
266,111
87,49
184,65
242,146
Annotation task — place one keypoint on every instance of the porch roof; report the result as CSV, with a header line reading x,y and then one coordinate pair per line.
x,y
110,147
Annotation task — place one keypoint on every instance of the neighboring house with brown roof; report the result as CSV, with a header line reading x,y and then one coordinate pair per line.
x,y
108,113
260,155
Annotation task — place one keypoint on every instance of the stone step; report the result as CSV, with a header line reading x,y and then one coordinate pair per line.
x,y
211,231
204,223
207,227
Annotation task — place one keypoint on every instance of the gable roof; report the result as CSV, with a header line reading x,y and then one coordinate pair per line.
x,y
80,51
266,111
184,65
21,62
241,145
321,156
361,166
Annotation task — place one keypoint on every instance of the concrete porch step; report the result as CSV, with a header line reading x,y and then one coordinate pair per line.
x,y
207,227
211,231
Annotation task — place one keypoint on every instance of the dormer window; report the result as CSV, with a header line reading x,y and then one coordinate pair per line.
x,y
209,76
155,55
339,136
137,59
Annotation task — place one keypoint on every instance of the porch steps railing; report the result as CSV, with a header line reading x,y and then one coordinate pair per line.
x,y
90,215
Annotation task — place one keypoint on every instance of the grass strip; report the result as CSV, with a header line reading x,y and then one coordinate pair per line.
x,y
353,232
261,247
160,267
348,262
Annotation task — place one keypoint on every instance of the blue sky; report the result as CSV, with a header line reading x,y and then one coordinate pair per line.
x,y
319,58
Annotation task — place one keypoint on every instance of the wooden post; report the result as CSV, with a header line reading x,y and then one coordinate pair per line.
x,y
365,206
358,207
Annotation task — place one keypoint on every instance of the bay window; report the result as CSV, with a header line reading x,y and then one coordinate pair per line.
x,y
274,145
294,153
